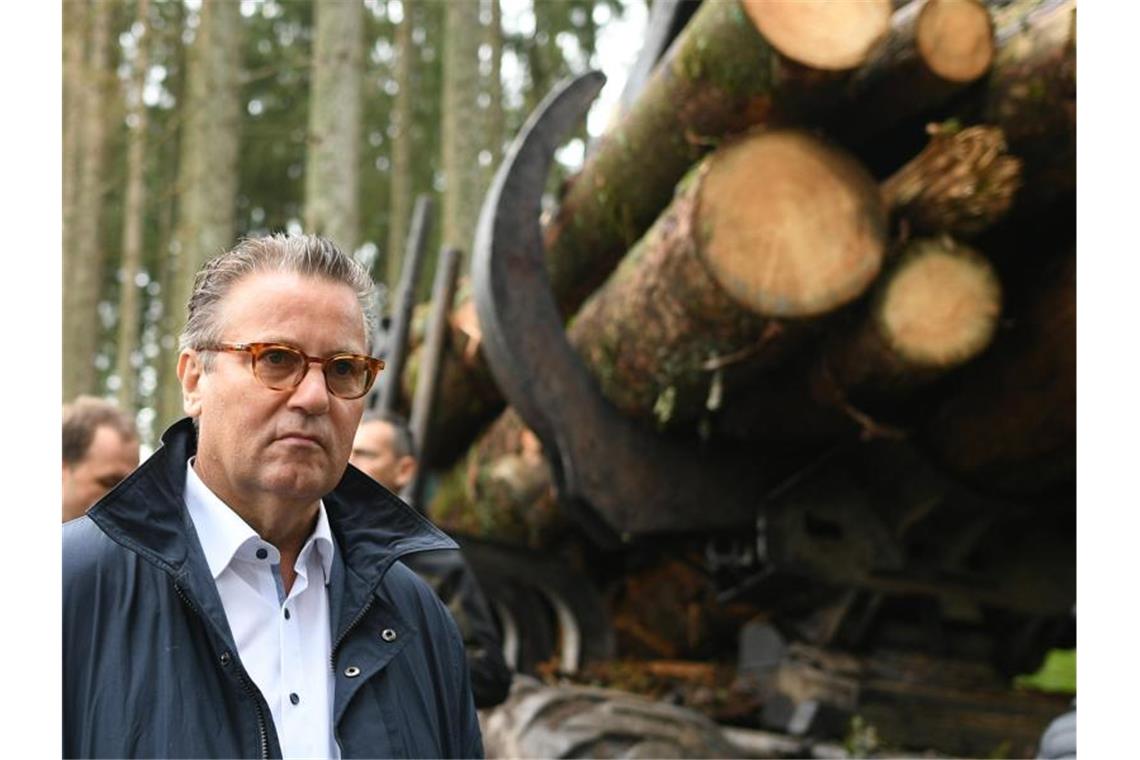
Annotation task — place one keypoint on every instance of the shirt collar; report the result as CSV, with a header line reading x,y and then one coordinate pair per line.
x,y
224,535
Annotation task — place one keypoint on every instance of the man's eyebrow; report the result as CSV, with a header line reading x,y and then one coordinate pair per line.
x,y
364,451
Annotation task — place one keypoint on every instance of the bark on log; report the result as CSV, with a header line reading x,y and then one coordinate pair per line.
x,y
1011,426
936,309
934,50
1031,94
776,226
502,491
961,183
719,77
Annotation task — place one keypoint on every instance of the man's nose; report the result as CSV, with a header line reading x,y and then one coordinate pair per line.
x,y
312,394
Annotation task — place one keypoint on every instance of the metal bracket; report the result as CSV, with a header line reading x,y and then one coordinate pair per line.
x,y
616,477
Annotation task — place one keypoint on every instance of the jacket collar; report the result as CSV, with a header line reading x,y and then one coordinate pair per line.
x,y
146,514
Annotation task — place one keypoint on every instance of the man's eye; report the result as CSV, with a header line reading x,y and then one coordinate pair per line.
x,y
275,356
343,367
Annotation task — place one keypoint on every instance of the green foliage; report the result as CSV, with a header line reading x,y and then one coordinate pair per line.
x,y
862,738
1058,674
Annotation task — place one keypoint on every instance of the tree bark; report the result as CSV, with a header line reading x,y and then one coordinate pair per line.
x,y
719,77
75,30
208,167
496,125
936,309
332,179
960,184
1011,425
85,258
740,251
1031,94
133,215
503,490
461,135
935,49
400,216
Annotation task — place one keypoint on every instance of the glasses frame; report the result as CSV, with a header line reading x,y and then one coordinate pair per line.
x,y
257,349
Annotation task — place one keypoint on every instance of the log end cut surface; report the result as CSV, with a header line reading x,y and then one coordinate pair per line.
x,y
832,36
941,307
790,227
956,39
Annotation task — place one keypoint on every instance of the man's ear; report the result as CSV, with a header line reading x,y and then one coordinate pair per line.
x,y
190,375
405,470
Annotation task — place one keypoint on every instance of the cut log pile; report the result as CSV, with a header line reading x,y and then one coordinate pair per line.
x,y
822,226
736,271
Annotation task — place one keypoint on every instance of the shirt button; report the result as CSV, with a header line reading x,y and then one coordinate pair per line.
x,y
294,698
262,554
286,613
388,634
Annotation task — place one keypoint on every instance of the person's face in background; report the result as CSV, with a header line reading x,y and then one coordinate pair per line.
x,y
109,459
374,452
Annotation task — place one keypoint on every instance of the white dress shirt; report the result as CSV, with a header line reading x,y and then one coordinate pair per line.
x,y
283,641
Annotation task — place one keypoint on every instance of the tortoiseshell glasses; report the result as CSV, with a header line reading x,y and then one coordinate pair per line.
x,y
282,367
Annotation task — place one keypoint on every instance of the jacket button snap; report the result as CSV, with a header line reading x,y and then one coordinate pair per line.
x,y
388,634
225,658
352,671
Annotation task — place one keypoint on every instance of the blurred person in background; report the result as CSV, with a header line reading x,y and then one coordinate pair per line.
x,y
100,448
383,448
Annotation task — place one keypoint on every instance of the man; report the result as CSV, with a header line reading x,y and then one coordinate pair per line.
x,y
383,449
239,594
100,448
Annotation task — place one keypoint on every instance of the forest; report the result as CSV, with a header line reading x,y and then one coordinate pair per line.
x,y
760,403
188,125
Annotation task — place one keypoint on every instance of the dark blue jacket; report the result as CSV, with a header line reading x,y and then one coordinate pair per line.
x,y
150,668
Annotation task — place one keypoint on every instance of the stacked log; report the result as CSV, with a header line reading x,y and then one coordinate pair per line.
x,y
736,65
748,303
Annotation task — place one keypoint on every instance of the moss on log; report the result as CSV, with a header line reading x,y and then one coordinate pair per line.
x,y
775,227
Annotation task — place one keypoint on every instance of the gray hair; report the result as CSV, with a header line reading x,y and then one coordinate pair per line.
x,y
308,255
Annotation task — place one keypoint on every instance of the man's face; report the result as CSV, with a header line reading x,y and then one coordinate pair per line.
x,y
256,444
374,452
109,459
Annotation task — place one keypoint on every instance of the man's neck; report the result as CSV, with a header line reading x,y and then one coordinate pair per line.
x,y
286,525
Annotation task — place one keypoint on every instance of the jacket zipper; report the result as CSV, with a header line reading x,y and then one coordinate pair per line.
x,y
262,731
344,634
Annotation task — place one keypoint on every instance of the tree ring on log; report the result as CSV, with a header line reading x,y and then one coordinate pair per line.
x,y
823,35
941,305
789,225
956,39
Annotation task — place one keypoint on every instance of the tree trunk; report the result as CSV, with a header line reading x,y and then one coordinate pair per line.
x,y
1011,425
133,215
496,125
1031,94
461,135
503,490
740,251
85,258
332,180
935,49
400,216
936,309
75,29
960,184
719,77
208,168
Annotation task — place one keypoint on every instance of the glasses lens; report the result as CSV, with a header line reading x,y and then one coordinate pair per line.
x,y
348,376
279,367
